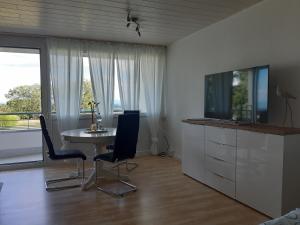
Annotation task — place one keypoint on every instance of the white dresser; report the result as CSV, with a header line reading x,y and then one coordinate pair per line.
x,y
258,166
220,158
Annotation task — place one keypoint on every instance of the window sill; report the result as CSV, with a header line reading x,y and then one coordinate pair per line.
x,y
86,116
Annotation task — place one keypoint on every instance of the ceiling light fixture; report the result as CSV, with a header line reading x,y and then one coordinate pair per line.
x,y
132,19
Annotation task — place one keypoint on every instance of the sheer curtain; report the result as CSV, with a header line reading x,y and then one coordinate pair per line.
x,y
65,65
128,71
140,71
152,70
101,59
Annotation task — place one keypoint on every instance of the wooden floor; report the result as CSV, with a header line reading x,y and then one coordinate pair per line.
x,y
165,196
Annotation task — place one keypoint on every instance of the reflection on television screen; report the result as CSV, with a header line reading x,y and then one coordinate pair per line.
x,y
238,95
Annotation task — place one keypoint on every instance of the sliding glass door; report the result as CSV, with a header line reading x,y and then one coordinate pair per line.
x,y
20,105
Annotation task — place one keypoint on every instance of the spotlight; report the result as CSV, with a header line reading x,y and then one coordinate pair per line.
x,y
130,19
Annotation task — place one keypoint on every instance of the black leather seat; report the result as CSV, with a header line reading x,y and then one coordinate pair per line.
x,y
60,155
69,154
109,157
125,144
111,146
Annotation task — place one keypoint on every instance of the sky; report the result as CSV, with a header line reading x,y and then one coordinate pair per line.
x,y
24,69
18,69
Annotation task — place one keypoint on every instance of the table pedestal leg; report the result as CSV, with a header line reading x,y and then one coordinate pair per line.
x,y
99,148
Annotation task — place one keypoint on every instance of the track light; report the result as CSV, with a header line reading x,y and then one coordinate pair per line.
x,y
130,19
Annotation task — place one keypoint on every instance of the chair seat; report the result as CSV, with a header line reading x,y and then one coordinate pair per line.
x,y
69,154
108,157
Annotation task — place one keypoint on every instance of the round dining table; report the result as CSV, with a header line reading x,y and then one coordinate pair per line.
x,y
98,138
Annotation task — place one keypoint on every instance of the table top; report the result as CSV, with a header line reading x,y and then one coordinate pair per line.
x,y
82,136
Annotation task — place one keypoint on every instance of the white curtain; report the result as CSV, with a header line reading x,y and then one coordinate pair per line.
x,y
140,71
65,65
128,71
101,59
152,70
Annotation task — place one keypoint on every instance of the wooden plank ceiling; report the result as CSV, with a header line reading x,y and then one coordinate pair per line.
x,y
162,21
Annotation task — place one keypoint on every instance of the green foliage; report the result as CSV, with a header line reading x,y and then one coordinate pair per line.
x,y
25,98
8,120
240,95
87,95
3,108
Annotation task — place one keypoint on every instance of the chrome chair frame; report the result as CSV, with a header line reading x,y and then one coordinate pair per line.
x,y
58,180
62,155
119,176
124,149
135,165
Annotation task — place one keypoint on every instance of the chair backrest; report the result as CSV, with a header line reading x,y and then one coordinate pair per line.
x,y
49,143
126,136
131,111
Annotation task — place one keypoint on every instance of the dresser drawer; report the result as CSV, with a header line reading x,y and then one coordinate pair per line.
x,y
221,151
220,183
221,135
220,167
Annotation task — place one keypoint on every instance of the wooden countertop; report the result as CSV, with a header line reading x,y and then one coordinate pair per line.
x,y
261,128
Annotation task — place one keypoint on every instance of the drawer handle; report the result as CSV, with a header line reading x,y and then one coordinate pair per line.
x,y
222,177
218,175
221,160
215,142
218,143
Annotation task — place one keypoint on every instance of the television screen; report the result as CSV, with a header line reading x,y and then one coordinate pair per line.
x,y
238,95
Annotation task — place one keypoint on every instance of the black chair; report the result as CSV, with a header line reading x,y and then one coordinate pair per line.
x,y
111,146
124,147
61,155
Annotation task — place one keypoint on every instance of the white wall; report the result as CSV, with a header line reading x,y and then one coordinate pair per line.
x,y
267,33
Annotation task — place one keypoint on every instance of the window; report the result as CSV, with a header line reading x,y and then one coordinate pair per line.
x,y
20,90
20,106
87,90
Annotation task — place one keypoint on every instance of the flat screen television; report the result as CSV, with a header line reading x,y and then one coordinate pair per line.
x,y
240,95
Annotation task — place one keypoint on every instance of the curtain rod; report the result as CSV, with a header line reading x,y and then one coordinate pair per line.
x,y
75,38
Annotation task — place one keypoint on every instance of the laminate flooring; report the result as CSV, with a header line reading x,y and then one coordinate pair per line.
x,y
165,196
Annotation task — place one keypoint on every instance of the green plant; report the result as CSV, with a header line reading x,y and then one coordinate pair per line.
x,y
8,120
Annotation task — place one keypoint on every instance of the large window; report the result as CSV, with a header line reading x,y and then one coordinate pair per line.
x,y
87,90
20,90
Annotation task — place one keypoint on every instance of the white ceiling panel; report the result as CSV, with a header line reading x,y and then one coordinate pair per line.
x,y
162,21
